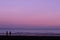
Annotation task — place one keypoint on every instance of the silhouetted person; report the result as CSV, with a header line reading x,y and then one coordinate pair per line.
x,y
6,33
9,33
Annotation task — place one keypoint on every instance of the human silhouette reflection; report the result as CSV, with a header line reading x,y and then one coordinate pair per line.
x,y
6,33
10,33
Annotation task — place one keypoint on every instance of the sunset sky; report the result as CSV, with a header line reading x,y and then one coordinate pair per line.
x,y
30,12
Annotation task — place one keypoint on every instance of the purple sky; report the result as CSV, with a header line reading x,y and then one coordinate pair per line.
x,y
30,12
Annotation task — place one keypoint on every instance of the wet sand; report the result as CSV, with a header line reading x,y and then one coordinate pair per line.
x,y
29,34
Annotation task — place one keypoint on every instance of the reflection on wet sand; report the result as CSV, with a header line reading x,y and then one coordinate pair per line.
x,y
29,34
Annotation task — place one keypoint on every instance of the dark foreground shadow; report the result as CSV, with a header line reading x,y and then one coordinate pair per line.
x,y
29,37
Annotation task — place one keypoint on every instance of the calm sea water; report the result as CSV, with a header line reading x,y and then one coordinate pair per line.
x,y
31,30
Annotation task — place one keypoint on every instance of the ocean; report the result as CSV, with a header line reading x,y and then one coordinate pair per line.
x,y
36,30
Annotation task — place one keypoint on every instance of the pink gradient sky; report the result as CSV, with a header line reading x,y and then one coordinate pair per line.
x,y
30,12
